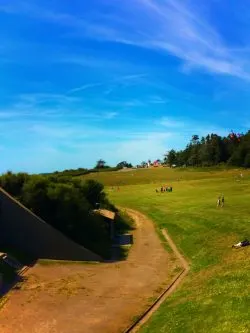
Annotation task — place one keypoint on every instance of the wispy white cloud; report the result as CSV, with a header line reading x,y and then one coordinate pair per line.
x,y
172,26
84,87
148,145
133,103
179,30
186,127
10,114
176,28
47,123
171,122
133,146
58,132
110,115
125,79
77,144
130,77
100,62
33,107
36,98
109,91
157,100
37,106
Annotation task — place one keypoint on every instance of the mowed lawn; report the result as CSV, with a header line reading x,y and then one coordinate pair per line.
x,y
215,297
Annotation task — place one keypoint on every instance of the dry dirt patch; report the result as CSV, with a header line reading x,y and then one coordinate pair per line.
x,y
79,298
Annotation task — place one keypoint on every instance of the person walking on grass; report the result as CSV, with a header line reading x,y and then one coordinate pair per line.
x,y
218,202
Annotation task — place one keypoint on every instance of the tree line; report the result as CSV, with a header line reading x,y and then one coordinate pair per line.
x,y
66,203
233,149
100,166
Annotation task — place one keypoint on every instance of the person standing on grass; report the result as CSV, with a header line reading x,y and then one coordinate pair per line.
x,y
218,202
222,201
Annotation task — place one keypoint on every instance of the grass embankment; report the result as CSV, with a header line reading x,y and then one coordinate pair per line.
x,y
160,176
215,295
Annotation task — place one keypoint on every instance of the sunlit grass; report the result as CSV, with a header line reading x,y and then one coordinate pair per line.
x,y
215,295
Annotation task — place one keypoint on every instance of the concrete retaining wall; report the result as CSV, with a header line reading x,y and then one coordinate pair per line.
x,y
26,232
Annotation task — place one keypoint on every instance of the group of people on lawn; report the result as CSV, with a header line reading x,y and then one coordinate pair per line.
x,y
165,189
221,201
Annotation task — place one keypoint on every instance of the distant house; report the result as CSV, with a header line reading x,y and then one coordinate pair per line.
x,y
157,163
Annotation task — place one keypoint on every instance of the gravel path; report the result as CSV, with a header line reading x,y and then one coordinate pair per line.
x,y
91,298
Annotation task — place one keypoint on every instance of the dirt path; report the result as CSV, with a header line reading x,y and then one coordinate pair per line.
x,y
168,291
91,298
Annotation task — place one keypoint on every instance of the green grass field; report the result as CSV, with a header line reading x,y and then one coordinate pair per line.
x,y
215,297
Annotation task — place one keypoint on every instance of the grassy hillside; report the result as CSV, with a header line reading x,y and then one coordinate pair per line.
x,y
215,295
161,175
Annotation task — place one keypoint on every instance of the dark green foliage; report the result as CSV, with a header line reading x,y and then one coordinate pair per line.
x,y
212,150
105,169
93,191
247,160
66,203
80,172
13,183
124,164
124,223
70,173
171,157
100,164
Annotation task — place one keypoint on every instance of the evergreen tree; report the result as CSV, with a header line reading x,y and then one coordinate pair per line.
x,y
234,149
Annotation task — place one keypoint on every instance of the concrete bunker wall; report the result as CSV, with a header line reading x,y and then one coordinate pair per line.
x,y
24,231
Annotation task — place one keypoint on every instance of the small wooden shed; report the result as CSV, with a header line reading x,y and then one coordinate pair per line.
x,y
109,217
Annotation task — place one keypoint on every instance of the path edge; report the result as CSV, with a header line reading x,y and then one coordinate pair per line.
x,y
146,315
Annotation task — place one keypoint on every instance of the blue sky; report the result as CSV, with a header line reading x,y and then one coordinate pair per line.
x,y
118,80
